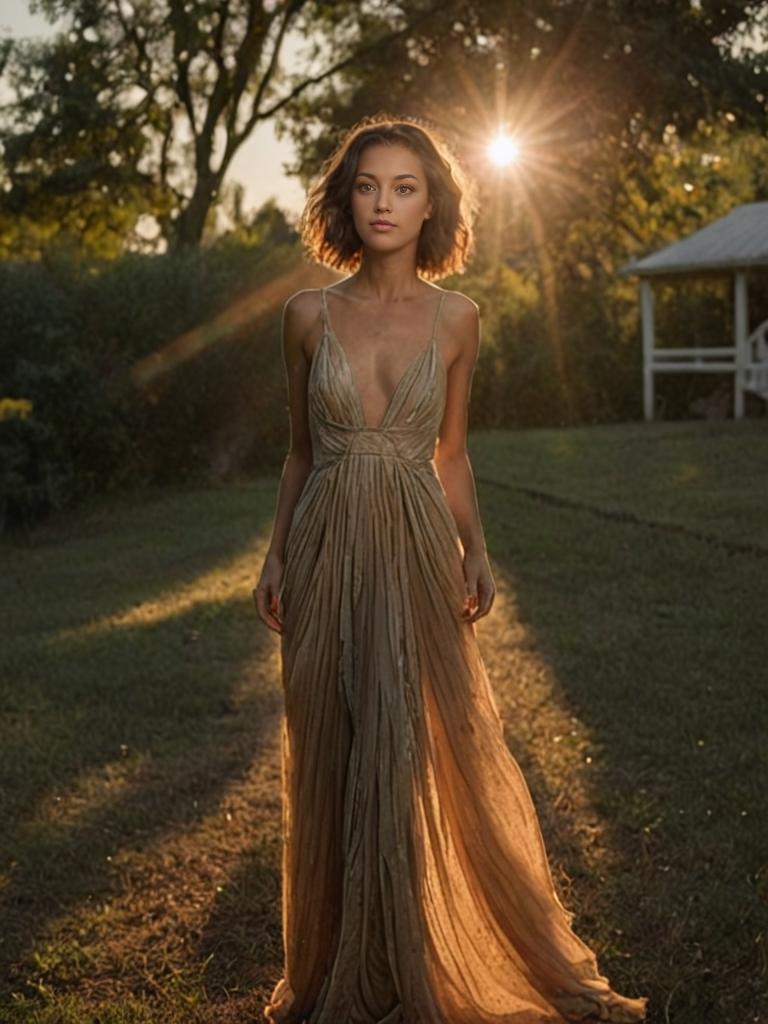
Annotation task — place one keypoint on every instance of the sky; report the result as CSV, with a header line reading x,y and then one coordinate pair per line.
x,y
257,165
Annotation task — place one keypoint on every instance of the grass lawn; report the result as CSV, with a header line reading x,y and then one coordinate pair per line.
x,y
140,709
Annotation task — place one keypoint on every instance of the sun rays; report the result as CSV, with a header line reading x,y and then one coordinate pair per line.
x,y
503,150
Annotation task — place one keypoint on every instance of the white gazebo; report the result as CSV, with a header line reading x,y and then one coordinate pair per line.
x,y
732,244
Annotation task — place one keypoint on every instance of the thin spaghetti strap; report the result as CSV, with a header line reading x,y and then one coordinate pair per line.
x,y
437,315
324,307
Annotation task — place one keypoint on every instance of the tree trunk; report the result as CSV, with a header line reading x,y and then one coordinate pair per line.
x,y
187,229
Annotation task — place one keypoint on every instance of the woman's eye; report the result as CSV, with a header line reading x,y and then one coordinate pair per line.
x,y
366,184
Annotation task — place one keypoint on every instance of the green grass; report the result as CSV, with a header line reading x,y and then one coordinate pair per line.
x,y
706,478
140,708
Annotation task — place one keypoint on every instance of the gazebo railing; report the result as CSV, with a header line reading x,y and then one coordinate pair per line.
x,y
702,360
756,370
720,359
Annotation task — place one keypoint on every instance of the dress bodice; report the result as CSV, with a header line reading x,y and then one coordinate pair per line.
x,y
407,431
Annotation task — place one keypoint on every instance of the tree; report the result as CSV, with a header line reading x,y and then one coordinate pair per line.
x,y
71,156
140,107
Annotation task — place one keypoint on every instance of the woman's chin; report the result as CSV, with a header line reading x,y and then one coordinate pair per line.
x,y
381,242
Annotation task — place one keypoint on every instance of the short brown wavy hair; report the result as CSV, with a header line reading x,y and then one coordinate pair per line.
x,y
446,241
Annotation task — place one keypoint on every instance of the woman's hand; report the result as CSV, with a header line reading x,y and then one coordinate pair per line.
x,y
481,589
266,591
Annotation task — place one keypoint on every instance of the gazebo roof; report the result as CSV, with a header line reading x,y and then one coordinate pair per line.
x,y
738,240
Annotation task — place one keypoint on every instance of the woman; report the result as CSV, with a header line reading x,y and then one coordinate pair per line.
x,y
416,888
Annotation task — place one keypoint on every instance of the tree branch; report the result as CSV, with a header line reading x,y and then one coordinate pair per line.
x,y
376,45
178,16
144,75
251,45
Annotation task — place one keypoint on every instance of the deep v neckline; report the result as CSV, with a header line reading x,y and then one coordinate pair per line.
x,y
416,361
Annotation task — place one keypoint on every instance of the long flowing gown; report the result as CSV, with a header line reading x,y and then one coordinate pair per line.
x,y
416,887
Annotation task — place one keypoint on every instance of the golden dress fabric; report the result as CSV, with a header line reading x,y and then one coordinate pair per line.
x,y
416,887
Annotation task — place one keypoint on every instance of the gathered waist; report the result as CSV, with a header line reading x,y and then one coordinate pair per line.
x,y
326,461
371,444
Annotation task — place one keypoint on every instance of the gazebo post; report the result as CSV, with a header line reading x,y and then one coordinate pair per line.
x,y
740,335
647,317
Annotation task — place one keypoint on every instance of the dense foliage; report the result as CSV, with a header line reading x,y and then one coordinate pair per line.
x,y
74,417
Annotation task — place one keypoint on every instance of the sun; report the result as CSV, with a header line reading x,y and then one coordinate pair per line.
x,y
503,150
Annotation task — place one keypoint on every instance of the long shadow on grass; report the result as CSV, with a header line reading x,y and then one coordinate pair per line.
x,y
193,742
160,692
658,647
117,557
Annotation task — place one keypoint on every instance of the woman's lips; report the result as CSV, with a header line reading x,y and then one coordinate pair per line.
x,y
378,226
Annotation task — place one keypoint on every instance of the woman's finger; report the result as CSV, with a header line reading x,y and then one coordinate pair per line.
x,y
263,598
487,593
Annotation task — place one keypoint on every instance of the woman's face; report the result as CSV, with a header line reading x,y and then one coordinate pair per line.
x,y
390,185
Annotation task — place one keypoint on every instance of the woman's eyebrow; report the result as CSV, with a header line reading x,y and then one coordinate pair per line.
x,y
397,176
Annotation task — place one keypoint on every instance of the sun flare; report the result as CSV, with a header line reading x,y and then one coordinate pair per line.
x,y
503,150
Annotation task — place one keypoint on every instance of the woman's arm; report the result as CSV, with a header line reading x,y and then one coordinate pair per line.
x,y
299,317
452,459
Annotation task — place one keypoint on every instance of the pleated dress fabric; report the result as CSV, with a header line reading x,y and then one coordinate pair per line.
x,y
416,887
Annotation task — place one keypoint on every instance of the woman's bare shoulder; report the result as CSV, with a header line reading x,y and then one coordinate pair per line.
x,y
460,301
301,312
461,312
303,304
